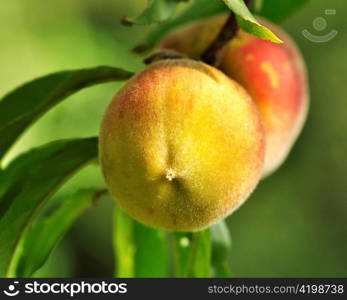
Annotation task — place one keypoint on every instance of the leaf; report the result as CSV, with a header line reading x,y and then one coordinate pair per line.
x,y
151,255
192,253
275,10
140,251
221,246
21,107
157,11
248,23
123,245
199,9
200,255
181,249
40,239
29,181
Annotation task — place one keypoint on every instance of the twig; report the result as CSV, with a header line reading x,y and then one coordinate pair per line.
x,y
227,32
166,54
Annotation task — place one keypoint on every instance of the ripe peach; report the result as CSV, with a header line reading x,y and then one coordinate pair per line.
x,y
273,74
181,145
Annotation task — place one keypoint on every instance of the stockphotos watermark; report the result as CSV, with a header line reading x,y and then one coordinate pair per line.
x,y
320,24
71,289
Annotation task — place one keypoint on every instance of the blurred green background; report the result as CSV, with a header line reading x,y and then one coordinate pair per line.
x,y
294,224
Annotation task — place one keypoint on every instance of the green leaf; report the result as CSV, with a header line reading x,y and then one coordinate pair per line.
x,y
181,250
248,23
21,107
199,262
140,251
29,181
151,255
221,246
275,10
192,253
157,11
123,244
199,9
42,236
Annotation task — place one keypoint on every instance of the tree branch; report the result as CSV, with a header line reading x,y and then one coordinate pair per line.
x,y
227,32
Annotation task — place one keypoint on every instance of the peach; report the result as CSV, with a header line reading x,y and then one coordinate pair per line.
x,y
181,145
273,74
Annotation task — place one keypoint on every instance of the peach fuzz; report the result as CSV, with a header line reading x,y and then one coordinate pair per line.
x,y
181,145
273,74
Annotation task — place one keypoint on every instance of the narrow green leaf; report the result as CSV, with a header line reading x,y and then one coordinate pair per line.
x,y
221,246
199,9
199,263
42,236
151,255
157,11
21,107
123,244
275,10
181,250
192,253
248,23
140,251
29,181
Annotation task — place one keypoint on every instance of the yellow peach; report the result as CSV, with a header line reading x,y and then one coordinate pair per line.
x,y
181,145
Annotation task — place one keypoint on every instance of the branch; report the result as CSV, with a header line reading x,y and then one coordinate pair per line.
x,y
227,33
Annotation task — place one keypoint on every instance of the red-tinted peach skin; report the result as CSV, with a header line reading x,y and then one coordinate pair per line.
x,y
273,74
181,145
